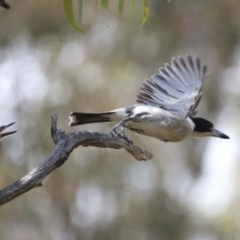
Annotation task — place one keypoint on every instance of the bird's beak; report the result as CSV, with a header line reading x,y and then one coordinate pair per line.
x,y
2,128
218,134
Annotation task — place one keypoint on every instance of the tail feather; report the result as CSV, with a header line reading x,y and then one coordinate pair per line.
x,y
77,118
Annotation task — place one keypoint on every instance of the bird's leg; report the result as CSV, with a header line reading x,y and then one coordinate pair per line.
x,y
121,123
114,129
124,136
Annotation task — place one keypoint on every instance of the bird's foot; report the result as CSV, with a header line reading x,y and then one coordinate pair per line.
x,y
114,133
123,136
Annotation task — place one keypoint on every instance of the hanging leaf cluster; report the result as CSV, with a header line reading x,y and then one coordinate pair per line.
x,y
76,24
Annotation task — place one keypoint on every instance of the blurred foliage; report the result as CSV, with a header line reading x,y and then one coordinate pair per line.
x,y
104,3
189,191
120,8
68,6
69,11
145,11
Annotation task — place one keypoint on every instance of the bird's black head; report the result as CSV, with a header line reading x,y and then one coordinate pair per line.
x,y
202,125
204,128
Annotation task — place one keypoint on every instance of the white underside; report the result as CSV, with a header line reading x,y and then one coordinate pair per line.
x,y
157,123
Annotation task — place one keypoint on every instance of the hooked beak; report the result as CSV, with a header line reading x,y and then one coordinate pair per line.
x,y
2,128
218,134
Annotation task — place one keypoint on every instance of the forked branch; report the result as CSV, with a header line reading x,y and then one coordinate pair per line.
x,y
65,143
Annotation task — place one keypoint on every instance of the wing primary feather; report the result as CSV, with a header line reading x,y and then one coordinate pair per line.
x,y
185,70
198,65
193,77
177,87
168,76
173,75
204,70
154,90
178,71
182,62
160,81
190,61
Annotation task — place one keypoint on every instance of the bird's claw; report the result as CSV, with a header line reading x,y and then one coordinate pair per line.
x,y
123,136
126,139
115,134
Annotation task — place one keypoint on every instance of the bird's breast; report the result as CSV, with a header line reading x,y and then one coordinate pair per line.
x,y
164,128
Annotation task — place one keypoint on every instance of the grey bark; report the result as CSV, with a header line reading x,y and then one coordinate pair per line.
x,y
65,144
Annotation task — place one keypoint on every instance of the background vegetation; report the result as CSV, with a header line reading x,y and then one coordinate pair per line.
x,y
190,190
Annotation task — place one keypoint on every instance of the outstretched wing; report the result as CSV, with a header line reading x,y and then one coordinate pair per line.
x,y
175,88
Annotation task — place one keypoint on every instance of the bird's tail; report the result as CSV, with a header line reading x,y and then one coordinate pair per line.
x,y
77,118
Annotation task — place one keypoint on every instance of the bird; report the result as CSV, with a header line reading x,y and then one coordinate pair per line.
x,y
2,128
166,106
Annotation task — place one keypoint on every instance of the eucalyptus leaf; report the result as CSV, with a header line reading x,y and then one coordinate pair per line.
x,y
145,11
133,8
105,3
68,7
120,8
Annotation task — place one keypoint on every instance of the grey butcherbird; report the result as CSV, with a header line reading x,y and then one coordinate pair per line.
x,y
165,107
3,135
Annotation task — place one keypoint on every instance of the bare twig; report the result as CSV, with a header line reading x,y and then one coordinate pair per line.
x,y
4,4
65,143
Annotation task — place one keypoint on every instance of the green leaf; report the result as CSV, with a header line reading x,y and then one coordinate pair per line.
x,y
80,5
145,11
120,8
133,8
68,7
105,3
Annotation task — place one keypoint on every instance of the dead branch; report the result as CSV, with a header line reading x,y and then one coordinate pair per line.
x,y
65,143
4,4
